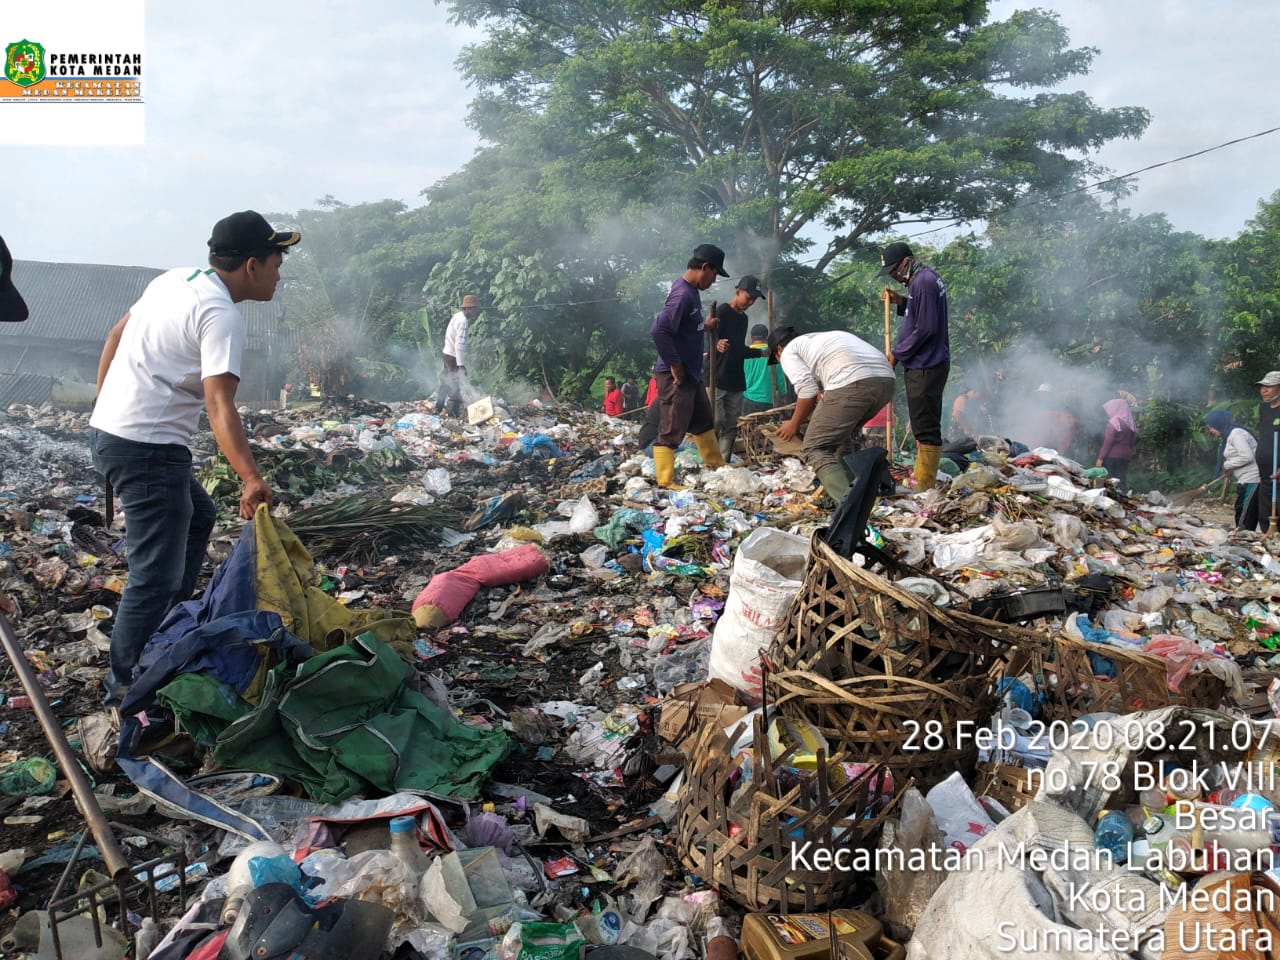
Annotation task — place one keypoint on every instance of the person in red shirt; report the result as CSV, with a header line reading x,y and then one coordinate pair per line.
x,y
612,398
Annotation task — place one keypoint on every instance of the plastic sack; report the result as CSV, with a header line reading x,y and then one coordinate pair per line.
x,y
959,549
584,517
905,893
768,572
960,817
437,481
448,593
541,941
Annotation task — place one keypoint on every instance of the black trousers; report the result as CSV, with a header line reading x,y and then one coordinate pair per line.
x,y
685,409
924,402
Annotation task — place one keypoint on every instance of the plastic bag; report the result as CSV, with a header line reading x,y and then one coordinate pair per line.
x,y
905,893
980,477
733,482
1152,599
437,481
686,664
541,941
31,777
960,817
768,572
1179,654
1068,532
1010,535
584,517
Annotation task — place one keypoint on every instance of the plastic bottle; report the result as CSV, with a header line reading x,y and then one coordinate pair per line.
x,y
1157,829
404,844
1114,834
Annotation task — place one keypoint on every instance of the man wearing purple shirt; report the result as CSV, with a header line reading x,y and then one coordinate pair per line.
x,y
923,348
678,333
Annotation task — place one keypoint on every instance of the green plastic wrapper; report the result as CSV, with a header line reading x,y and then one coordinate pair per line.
x,y
32,777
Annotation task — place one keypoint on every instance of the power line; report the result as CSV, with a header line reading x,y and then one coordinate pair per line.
x,y
1030,202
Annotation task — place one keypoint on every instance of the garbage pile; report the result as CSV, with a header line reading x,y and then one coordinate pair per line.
x,y
588,712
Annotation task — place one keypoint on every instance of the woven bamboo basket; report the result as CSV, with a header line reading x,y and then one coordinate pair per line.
x,y
751,430
847,621
911,726
1013,786
738,830
1141,682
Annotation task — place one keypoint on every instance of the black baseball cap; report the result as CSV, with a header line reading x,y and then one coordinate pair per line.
x,y
248,232
710,253
13,309
892,255
779,337
751,285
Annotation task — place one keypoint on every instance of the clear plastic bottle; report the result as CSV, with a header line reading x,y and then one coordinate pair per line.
x,y
1114,834
404,844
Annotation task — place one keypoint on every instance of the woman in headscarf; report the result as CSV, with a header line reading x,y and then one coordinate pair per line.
x,y
1118,439
1236,455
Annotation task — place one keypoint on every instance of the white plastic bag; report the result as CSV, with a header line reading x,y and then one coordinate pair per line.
x,y
437,481
585,518
768,572
959,816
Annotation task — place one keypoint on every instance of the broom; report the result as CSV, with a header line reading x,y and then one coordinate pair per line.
x,y
1188,497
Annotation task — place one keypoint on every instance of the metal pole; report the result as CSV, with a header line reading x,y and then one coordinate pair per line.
x,y
114,858
888,345
1275,455
713,335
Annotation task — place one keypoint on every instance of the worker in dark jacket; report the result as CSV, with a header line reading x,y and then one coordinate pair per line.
x,y
732,353
678,333
923,349
1268,430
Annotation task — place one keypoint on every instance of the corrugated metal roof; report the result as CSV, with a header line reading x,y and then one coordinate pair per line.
x,y
25,388
77,303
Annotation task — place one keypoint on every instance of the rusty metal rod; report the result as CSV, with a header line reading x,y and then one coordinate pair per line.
x,y
114,858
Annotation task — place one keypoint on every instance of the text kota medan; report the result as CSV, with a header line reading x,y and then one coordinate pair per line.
x,y
93,64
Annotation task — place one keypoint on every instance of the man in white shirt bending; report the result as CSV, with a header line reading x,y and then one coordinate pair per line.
x,y
855,380
177,350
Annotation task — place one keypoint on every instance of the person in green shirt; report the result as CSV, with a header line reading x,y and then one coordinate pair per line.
x,y
759,393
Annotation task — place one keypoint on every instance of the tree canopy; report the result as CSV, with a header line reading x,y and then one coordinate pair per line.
x,y
772,122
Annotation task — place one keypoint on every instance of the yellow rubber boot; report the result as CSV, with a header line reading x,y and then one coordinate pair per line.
x,y
664,467
709,449
927,456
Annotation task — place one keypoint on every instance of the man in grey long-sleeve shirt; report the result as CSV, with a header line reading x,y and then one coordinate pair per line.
x,y
923,348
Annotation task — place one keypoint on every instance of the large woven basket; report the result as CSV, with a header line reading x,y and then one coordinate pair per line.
x,y
1141,682
751,430
847,621
915,728
738,823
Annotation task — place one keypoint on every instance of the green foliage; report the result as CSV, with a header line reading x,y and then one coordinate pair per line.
x,y
1250,325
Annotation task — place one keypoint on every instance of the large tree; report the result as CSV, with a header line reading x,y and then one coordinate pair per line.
x,y
1250,325
778,121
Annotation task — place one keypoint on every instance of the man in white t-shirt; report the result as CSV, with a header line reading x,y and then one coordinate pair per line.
x,y
855,380
176,351
454,357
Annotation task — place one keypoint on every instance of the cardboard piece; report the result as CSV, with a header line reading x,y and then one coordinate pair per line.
x,y
480,411
787,448
711,702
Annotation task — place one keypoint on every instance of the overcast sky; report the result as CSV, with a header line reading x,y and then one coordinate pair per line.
x,y
272,106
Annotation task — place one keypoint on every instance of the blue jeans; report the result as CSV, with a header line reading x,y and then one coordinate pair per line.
x,y
168,519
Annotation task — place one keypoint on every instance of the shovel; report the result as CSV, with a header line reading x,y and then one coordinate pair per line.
x,y
1190,496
